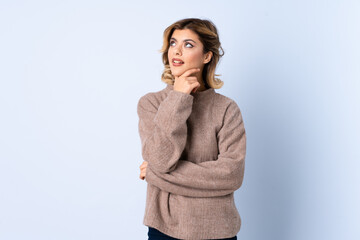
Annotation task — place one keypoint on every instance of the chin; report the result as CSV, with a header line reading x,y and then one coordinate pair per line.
x,y
176,72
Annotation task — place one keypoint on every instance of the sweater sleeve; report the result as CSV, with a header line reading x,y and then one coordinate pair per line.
x,y
214,177
163,129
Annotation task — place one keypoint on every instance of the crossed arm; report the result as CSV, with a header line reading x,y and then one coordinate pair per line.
x,y
163,133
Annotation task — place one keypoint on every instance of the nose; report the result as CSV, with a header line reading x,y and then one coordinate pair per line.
x,y
177,50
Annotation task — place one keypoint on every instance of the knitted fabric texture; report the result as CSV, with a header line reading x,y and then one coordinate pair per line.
x,y
195,146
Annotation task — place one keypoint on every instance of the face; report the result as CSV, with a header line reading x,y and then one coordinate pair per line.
x,y
186,47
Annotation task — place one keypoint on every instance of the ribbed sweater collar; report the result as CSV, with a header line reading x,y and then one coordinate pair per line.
x,y
203,94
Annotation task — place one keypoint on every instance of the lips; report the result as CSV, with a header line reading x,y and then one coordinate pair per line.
x,y
177,61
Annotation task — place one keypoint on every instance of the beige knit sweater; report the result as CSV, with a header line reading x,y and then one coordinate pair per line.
x,y
195,146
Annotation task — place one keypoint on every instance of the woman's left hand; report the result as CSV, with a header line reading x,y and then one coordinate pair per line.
x,y
143,167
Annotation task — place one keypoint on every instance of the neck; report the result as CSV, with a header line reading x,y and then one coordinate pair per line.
x,y
202,86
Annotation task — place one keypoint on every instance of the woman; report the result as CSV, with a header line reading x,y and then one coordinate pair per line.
x,y
193,141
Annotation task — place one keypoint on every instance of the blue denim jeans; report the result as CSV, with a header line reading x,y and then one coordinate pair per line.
x,y
155,234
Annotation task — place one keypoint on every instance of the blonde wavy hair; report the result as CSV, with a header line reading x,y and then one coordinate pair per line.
x,y
208,35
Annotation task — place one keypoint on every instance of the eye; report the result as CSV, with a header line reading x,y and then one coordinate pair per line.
x,y
186,44
189,44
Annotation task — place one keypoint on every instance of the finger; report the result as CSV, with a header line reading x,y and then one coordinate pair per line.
x,y
193,83
191,79
196,86
190,71
195,89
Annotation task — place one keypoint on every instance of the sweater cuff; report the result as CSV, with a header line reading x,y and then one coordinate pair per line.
x,y
174,109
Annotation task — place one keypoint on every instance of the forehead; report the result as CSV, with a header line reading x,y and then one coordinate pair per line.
x,y
180,34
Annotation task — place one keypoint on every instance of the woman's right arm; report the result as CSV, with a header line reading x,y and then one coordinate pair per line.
x,y
163,129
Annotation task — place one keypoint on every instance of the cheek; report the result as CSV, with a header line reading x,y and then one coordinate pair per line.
x,y
169,56
194,59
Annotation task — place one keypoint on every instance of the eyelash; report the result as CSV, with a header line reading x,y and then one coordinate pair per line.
x,y
185,43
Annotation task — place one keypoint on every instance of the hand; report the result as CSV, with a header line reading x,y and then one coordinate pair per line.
x,y
143,167
186,83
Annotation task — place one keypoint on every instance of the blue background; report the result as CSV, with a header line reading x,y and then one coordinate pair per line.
x,y
71,73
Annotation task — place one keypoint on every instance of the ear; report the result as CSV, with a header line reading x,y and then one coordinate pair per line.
x,y
208,57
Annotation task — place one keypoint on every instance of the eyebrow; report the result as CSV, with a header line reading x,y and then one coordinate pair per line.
x,y
184,39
